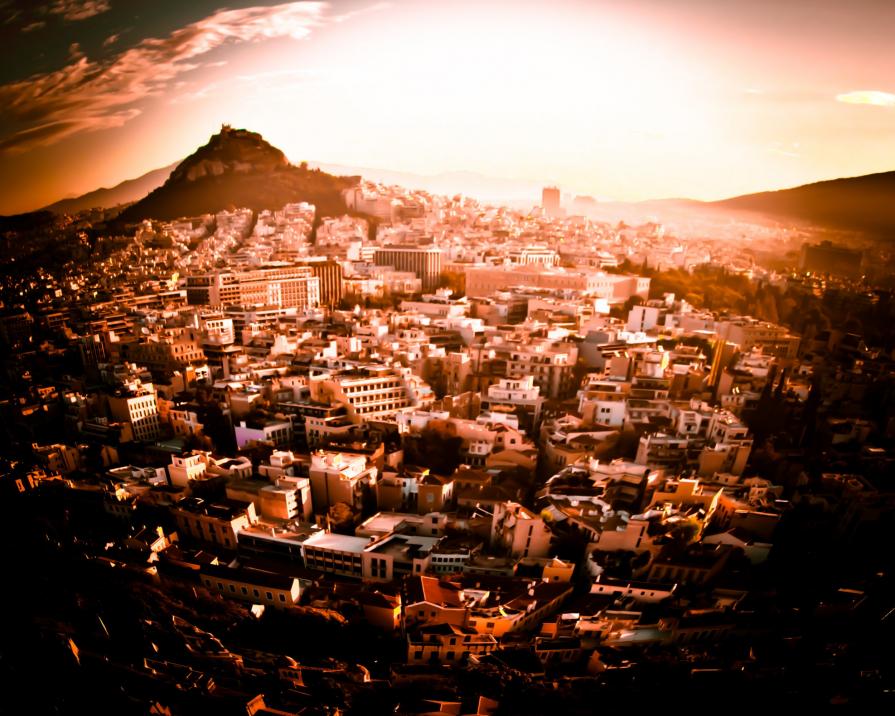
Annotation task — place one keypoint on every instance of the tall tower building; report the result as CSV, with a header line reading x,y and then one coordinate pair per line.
x,y
550,201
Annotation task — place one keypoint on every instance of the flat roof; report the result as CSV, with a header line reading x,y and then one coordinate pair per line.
x,y
337,542
249,575
410,545
388,521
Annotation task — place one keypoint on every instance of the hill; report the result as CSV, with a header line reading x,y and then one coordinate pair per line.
x,y
864,203
238,168
33,220
123,193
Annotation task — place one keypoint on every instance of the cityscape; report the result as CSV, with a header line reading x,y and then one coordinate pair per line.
x,y
498,427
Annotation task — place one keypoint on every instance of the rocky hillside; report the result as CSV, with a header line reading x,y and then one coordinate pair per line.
x,y
238,168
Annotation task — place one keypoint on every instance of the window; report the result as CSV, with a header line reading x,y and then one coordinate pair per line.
x,y
245,591
282,597
269,597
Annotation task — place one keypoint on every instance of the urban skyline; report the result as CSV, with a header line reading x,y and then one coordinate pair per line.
x,y
630,101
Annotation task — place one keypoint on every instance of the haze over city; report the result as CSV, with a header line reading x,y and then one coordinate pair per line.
x,y
625,100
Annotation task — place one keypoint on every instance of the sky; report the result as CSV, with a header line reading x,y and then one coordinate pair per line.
x,y
621,99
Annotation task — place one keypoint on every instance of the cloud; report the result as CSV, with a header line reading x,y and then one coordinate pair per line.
x,y
874,97
12,16
54,131
30,27
277,74
345,17
87,95
79,9
279,79
786,149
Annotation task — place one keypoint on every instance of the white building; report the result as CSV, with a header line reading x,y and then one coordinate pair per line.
x,y
137,404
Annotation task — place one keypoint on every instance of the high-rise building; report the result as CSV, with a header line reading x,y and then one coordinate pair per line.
x,y
425,262
280,285
550,201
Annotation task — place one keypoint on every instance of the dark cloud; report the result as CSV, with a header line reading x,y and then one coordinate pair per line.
x,y
87,95
79,9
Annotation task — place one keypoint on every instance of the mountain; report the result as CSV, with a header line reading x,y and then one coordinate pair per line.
x,y
123,193
238,168
864,203
30,221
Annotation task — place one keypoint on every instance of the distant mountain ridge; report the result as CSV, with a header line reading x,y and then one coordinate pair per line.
x,y
863,203
238,168
123,193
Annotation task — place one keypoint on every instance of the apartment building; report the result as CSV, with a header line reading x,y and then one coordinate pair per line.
x,y
519,531
258,586
749,333
371,392
447,644
136,403
168,350
188,467
280,284
338,554
338,477
661,450
548,364
216,522
521,396
288,499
